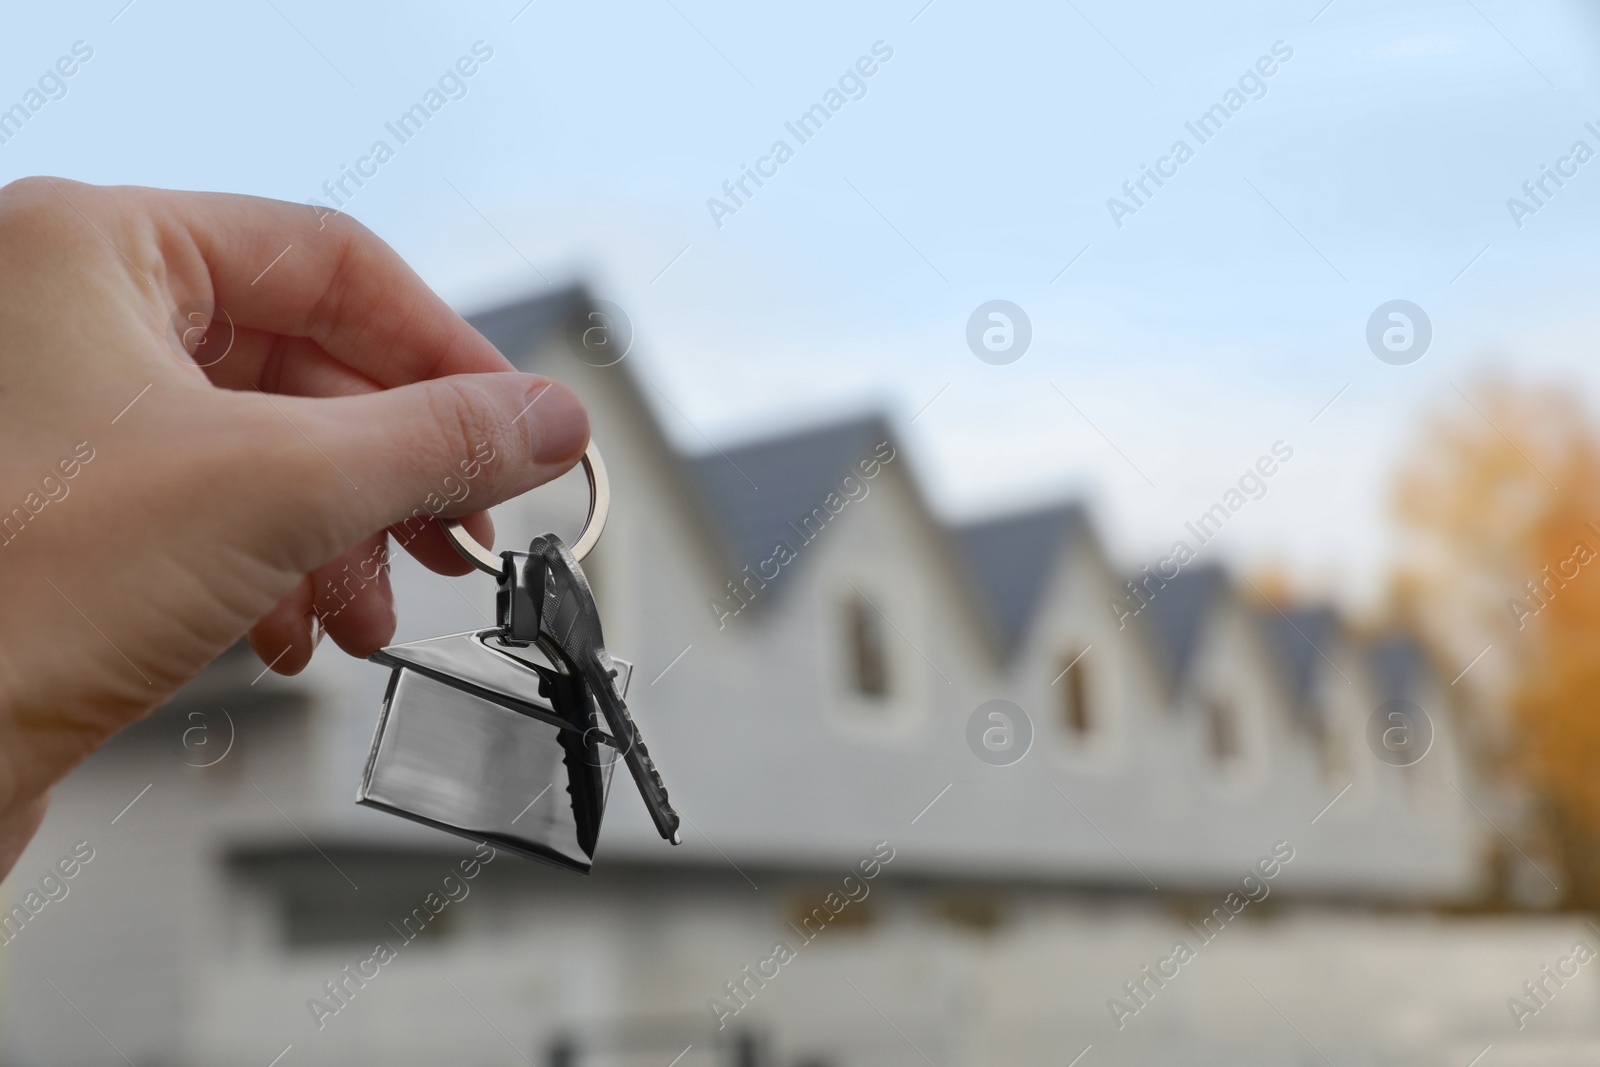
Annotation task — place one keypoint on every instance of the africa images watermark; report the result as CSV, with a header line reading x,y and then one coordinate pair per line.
x,y
1253,889
52,86
1539,994
52,887
451,85
1000,732
744,592
1206,126
999,332
742,991
202,742
352,979
1399,332
1579,154
1252,485
1549,585
1400,732
852,85
53,488
451,490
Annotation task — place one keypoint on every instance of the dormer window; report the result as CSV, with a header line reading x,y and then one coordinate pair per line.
x,y
869,657
879,696
1335,756
1222,731
1076,714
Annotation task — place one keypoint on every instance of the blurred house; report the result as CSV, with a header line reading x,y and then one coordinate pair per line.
x,y
815,659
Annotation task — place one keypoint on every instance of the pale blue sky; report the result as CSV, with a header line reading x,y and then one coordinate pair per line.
x,y
1218,320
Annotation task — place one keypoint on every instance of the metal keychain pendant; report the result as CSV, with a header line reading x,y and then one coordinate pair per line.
x,y
510,735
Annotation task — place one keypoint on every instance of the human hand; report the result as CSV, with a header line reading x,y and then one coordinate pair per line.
x,y
152,512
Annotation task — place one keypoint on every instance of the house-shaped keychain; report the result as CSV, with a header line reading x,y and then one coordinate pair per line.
x,y
471,741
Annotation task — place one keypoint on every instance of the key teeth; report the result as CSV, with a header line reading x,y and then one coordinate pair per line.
x,y
659,788
581,646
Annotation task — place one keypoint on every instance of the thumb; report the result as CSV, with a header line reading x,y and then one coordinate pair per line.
x,y
449,446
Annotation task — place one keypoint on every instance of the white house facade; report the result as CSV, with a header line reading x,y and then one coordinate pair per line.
x,y
942,804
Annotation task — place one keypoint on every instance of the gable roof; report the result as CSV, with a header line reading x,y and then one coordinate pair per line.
x,y
1397,663
1178,610
1009,559
518,327
1299,638
772,491
757,496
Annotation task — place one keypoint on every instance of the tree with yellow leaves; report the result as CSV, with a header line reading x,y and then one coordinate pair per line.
x,y
1500,516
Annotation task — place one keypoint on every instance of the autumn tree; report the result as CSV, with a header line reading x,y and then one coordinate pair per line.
x,y
1500,517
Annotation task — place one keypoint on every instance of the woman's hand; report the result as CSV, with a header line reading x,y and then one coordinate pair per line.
x,y
152,512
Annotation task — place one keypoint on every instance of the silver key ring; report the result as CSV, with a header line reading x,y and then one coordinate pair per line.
x,y
594,468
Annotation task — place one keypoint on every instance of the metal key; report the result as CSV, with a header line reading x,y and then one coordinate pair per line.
x,y
545,599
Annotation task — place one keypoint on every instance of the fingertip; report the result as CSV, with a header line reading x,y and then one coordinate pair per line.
x,y
354,600
559,422
279,650
283,639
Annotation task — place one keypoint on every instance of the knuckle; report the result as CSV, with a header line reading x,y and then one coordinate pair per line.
x,y
353,245
32,187
31,204
352,237
65,221
343,227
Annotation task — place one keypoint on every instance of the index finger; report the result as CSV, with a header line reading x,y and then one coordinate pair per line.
x,y
295,270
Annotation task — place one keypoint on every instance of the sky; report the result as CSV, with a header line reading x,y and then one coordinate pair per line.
x,y
1175,340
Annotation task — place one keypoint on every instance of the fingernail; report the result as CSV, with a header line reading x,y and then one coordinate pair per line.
x,y
317,630
386,591
561,425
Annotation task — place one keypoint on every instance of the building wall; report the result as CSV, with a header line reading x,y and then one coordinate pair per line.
x,y
1020,896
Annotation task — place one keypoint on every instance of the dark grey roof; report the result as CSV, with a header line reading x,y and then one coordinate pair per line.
x,y
518,328
1397,664
774,491
1299,638
1177,612
760,495
1010,558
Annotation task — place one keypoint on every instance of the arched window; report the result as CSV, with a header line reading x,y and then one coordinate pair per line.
x,y
869,656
